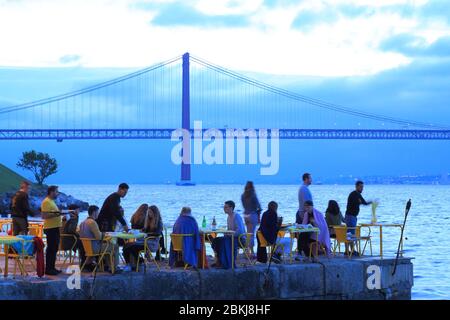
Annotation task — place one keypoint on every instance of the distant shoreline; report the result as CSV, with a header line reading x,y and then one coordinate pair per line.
x,y
261,183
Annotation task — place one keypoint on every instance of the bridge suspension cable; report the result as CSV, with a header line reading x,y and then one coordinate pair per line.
x,y
85,90
312,101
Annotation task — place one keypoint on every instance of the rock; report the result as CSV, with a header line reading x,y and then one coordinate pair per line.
x,y
36,197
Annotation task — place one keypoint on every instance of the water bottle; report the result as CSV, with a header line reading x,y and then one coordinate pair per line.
x,y
214,224
204,223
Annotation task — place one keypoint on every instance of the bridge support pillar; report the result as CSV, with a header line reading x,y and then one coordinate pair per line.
x,y
185,118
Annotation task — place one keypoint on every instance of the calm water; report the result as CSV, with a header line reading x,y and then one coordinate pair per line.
x,y
426,230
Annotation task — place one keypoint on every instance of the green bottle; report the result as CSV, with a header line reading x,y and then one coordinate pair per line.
x,y
204,222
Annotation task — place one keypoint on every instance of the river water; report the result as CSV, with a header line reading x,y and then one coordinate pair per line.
x,y
425,233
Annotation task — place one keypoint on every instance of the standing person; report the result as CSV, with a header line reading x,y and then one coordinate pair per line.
x,y
304,194
52,223
252,211
20,209
111,211
354,200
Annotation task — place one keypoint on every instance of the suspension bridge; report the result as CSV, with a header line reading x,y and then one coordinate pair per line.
x,y
151,103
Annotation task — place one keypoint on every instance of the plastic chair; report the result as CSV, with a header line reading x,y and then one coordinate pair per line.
x,y
147,253
342,237
36,230
264,244
177,244
71,249
89,252
244,245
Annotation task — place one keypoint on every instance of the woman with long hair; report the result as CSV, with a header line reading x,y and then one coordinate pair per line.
x,y
252,211
333,217
138,218
152,227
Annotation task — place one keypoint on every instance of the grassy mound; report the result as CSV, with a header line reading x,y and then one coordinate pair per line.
x,y
9,180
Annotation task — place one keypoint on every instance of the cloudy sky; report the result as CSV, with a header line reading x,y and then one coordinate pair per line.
x,y
386,56
303,37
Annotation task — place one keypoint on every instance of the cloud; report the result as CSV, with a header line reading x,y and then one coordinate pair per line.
x,y
435,9
415,46
178,14
69,58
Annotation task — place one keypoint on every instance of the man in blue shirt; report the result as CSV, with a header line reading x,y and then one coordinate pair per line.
x,y
304,194
221,245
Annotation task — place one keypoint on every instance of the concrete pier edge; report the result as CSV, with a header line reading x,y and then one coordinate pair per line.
x,y
329,279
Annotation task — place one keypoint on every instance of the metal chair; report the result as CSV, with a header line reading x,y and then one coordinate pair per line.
x,y
20,256
244,245
264,244
177,244
147,254
89,252
70,250
341,237
367,238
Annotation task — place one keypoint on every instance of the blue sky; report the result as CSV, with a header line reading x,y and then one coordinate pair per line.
x,y
390,57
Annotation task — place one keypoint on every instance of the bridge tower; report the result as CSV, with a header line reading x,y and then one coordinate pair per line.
x,y
185,118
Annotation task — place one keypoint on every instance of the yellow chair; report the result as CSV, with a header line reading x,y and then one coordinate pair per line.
x,y
21,257
366,238
36,230
70,250
272,247
341,237
177,244
244,245
148,253
89,252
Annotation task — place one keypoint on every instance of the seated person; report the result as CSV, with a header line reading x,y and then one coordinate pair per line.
x,y
137,222
69,227
186,224
333,217
89,229
222,245
269,227
152,227
315,218
138,219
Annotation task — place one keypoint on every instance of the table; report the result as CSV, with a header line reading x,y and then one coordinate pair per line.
x,y
124,236
225,232
381,225
7,241
293,231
